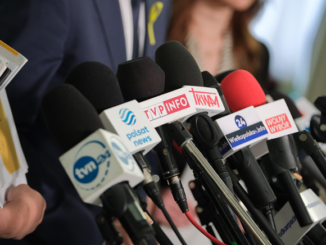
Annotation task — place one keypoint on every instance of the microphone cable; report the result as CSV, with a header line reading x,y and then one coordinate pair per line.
x,y
154,195
173,226
201,229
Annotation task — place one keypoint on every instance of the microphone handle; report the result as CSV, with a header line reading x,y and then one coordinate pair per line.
x,y
294,197
305,141
319,159
258,187
282,154
256,213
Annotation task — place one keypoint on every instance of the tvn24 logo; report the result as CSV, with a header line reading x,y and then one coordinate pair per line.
x,y
91,166
240,122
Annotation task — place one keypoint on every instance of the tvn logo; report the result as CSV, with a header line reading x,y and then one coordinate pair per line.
x,y
127,116
205,98
88,167
278,123
167,107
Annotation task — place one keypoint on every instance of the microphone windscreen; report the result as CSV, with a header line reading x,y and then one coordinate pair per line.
x,y
69,116
179,66
221,76
140,79
98,83
208,79
242,90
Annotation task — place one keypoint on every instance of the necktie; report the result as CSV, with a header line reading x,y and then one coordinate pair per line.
x,y
135,14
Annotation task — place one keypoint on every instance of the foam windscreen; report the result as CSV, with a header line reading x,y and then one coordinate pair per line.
x,y
179,66
242,90
140,79
208,79
98,83
69,116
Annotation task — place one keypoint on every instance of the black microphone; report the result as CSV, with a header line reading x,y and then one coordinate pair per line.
x,y
141,79
258,187
100,86
210,82
71,118
282,153
181,69
318,123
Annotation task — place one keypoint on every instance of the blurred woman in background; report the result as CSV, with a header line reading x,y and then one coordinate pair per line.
x,y
216,32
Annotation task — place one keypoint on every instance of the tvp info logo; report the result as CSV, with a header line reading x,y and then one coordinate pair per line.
x,y
127,116
91,166
240,122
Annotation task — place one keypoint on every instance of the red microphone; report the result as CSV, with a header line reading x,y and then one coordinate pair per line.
x,y
241,90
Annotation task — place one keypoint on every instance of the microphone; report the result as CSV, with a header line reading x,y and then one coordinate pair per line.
x,y
97,82
103,82
140,70
242,90
243,128
318,122
97,162
236,127
180,67
282,148
133,76
210,81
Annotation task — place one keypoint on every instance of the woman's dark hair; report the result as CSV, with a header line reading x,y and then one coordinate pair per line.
x,y
247,51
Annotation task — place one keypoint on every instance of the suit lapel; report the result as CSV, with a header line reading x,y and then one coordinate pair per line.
x,y
111,23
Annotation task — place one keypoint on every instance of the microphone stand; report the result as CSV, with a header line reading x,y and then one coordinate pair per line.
x,y
195,158
305,141
282,156
209,214
257,215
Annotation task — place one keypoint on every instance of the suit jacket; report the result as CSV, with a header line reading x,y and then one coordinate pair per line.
x,y
55,36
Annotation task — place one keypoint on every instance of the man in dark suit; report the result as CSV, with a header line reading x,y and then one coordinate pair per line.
x,y
55,36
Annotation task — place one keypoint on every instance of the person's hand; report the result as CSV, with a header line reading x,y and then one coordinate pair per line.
x,y
123,233
22,213
179,219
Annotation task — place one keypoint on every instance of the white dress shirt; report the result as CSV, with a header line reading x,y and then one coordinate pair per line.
x,y
127,22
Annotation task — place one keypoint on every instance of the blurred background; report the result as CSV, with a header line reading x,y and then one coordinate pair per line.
x,y
295,33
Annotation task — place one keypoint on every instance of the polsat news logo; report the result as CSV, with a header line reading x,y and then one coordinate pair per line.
x,y
180,103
